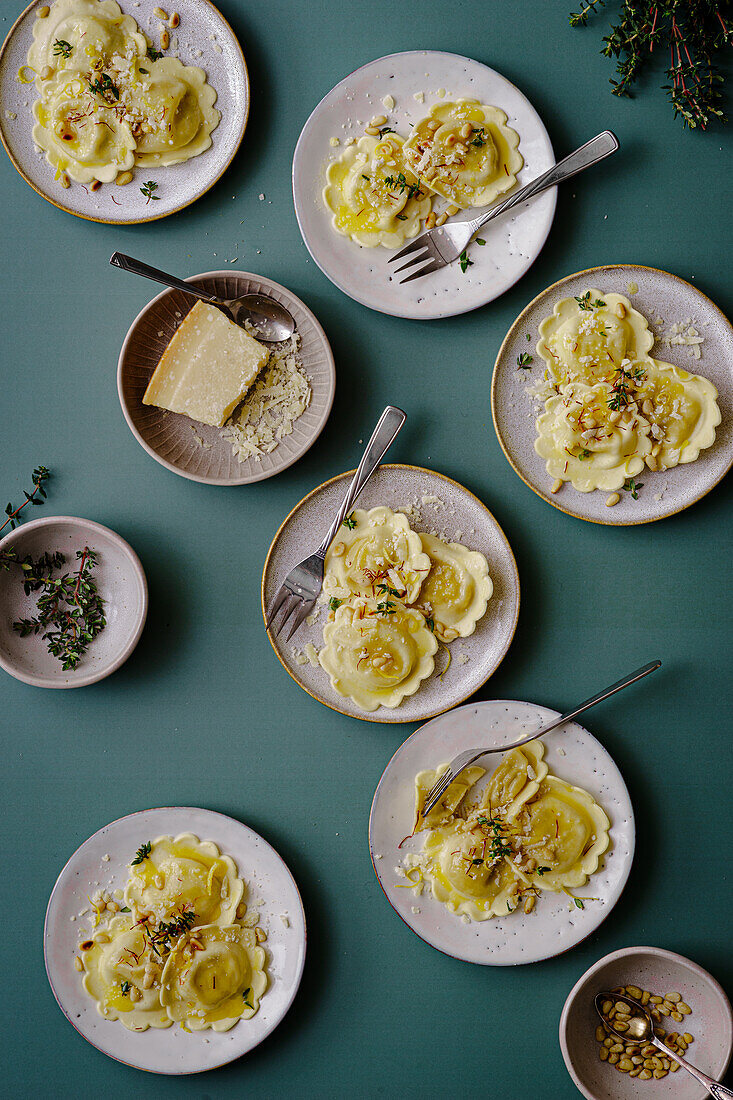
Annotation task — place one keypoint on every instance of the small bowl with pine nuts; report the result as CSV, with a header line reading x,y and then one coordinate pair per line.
x,y
692,1016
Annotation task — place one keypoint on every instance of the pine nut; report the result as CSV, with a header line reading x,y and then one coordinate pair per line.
x,y
637,1060
661,1008
635,1072
620,309
123,178
625,1064
174,20
645,1075
676,1016
442,219
160,13
43,12
430,220
64,180
46,72
148,979
372,131
615,417
102,937
78,964
606,1007
465,131
556,485
165,40
86,945
451,139
673,1067
260,935
94,185
378,120
134,994
645,995
612,1059
659,1074
600,1030
617,1048
621,1026
684,1008
688,1038
529,904
113,907
633,991
652,464
603,1054
452,209
608,1042
610,501
673,997
656,1000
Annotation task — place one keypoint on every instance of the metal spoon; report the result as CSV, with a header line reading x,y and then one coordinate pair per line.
x,y
641,1030
272,321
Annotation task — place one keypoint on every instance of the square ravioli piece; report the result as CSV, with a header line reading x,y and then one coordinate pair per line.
x,y
207,368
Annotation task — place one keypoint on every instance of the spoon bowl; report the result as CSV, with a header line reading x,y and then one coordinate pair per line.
x,y
640,1025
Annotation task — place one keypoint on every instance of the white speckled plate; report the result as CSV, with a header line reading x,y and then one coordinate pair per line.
x,y
555,925
659,296
172,1050
197,451
202,28
457,515
513,242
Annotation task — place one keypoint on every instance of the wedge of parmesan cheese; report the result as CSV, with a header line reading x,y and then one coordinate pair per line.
x,y
207,368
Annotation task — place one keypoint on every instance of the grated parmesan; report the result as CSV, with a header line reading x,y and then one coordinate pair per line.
x,y
683,334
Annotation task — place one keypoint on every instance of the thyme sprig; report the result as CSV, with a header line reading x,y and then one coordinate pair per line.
x,y
153,54
334,604
141,854
478,138
524,361
631,485
621,394
585,303
37,496
161,937
148,190
464,261
691,32
62,48
400,183
105,87
349,522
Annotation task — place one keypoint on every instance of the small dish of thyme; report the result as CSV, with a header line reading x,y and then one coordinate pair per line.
x,y
73,597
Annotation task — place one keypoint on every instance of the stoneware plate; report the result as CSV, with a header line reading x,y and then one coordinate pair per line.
x,y
513,242
197,451
556,924
660,972
204,38
439,505
664,300
267,878
120,581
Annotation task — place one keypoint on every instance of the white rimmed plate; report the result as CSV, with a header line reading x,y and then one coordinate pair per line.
x,y
659,296
203,28
267,877
452,512
513,242
197,451
556,925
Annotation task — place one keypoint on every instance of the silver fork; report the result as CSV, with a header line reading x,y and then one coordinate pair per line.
x,y
442,246
300,589
465,759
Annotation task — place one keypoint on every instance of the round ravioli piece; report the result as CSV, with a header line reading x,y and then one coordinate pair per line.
x,y
465,152
568,833
587,338
377,651
214,977
79,132
76,34
457,588
516,780
372,194
581,444
178,114
185,875
376,552
465,876
115,970
684,412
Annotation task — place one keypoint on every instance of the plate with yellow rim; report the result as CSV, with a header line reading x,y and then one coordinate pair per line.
x,y
666,301
435,504
557,922
202,38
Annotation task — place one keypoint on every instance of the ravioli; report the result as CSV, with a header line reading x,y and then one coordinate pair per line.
x,y
465,152
451,799
529,831
580,442
586,339
104,106
377,651
372,195
115,972
377,552
456,590
185,874
684,412
213,977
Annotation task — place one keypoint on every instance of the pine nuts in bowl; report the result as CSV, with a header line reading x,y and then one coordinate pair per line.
x,y
669,984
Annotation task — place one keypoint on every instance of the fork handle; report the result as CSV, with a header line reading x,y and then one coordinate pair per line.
x,y
137,267
387,428
595,150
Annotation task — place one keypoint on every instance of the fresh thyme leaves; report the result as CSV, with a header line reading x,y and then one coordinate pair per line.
x,y
386,130
334,604
154,54
367,178
621,394
160,938
401,217
145,72
387,590
386,608
542,870
125,987
40,474
430,624
631,485
142,853
349,522
478,137
104,86
585,303
583,455
464,261
246,994
148,189
62,48
399,183
125,909
690,32
524,361
70,606
480,240
578,903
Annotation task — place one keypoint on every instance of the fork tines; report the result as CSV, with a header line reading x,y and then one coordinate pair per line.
x,y
295,604
424,248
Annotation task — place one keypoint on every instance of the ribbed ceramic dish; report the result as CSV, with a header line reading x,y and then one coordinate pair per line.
x,y
659,296
450,511
555,924
202,28
197,451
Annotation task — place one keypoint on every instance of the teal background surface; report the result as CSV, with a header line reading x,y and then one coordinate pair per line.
x,y
203,714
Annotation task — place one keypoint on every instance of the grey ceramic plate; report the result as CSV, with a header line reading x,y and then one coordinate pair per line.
x,y
197,451
660,972
120,581
268,881
456,514
659,296
556,924
202,28
513,242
